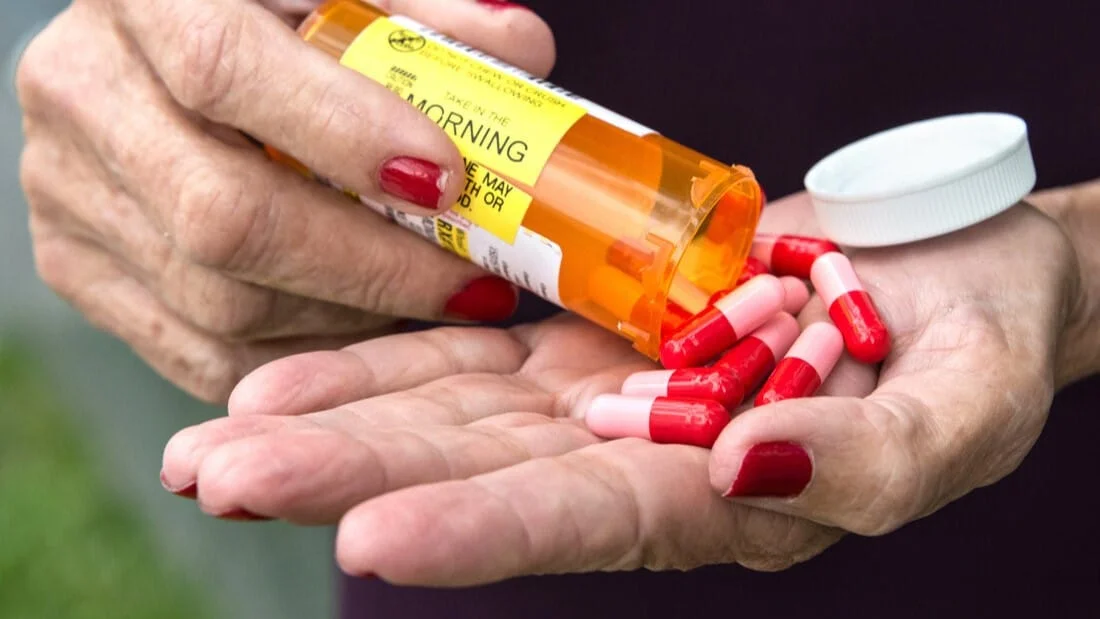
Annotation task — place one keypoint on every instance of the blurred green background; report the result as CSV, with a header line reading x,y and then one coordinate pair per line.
x,y
85,529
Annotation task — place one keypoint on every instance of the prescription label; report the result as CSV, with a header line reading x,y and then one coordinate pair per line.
x,y
531,261
503,120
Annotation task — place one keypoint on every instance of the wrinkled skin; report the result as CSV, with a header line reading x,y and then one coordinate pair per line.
x,y
154,216
455,456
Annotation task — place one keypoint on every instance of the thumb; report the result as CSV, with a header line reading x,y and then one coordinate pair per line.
x,y
872,465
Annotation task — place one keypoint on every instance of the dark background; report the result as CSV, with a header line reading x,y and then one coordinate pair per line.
x,y
777,85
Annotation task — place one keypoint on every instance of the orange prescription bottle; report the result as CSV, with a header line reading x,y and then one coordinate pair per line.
x,y
583,207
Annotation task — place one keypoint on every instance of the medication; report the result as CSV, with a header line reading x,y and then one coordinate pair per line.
x,y
719,326
688,383
807,364
754,357
787,254
851,308
553,181
657,419
797,294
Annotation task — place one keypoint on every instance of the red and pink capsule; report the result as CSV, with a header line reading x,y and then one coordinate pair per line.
x,y
807,364
753,357
851,308
721,325
787,254
689,384
661,420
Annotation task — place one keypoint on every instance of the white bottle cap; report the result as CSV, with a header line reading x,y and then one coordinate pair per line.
x,y
922,180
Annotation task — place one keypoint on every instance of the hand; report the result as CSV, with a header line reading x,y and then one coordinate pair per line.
x,y
499,409
987,324
156,217
467,490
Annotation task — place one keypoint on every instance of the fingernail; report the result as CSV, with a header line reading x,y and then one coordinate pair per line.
x,y
500,5
414,180
241,515
772,470
189,491
486,299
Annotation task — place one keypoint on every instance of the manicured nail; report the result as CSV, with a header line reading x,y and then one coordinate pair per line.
x,y
487,299
772,470
413,180
500,5
188,491
241,515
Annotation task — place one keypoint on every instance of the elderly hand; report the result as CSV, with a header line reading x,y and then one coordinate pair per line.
x,y
452,457
158,219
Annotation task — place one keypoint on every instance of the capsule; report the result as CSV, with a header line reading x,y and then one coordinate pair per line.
x,y
657,419
719,326
689,384
787,254
851,308
754,357
797,294
752,268
807,364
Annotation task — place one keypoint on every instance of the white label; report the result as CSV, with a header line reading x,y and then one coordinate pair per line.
x,y
594,109
533,262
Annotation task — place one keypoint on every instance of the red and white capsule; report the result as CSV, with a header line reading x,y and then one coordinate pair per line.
x,y
661,420
787,254
850,308
688,383
753,357
807,364
721,325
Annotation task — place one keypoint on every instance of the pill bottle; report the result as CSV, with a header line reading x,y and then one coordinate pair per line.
x,y
585,208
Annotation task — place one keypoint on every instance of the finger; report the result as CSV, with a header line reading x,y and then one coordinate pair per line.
x,y
279,231
89,204
237,64
316,381
614,506
450,401
921,440
92,281
314,477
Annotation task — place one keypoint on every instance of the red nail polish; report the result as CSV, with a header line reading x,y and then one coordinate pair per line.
x,y
413,180
773,470
241,515
487,299
500,5
189,491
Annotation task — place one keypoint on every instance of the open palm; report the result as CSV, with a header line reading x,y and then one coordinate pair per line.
x,y
455,456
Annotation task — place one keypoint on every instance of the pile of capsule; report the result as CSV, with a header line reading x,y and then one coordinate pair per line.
x,y
748,340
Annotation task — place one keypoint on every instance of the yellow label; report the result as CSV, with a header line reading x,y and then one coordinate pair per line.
x,y
491,202
503,122
452,238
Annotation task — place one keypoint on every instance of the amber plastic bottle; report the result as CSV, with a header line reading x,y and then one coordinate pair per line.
x,y
637,230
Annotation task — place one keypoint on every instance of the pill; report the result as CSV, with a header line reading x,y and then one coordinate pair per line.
x,y
687,383
807,364
797,294
719,326
754,357
630,257
661,420
752,268
787,254
851,308
672,319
